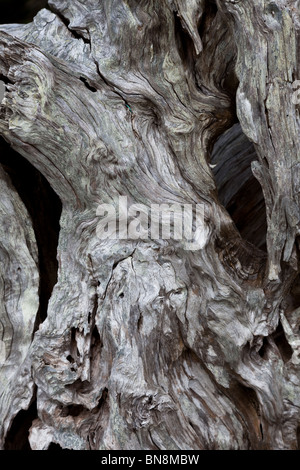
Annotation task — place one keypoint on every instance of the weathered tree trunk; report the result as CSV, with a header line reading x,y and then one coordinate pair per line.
x,y
146,344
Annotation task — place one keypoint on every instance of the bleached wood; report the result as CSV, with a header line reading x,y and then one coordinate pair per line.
x,y
147,345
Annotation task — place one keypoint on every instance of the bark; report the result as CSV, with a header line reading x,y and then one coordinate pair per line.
x,y
145,344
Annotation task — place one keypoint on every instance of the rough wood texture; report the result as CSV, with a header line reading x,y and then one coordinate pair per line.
x,y
148,345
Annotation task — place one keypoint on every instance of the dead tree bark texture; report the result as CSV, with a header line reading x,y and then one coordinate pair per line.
x,y
145,344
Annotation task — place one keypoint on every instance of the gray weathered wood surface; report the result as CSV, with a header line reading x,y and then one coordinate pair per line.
x,y
147,345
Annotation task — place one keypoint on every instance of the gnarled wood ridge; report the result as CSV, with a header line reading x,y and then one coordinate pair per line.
x,y
148,344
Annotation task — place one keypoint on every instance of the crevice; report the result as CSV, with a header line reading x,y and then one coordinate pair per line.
x,y
80,386
70,359
246,401
155,446
291,306
112,87
248,397
101,415
209,13
118,261
73,410
241,258
261,431
74,353
282,344
140,322
17,437
98,418
55,447
5,80
277,338
264,348
192,426
103,399
44,208
238,190
95,343
184,42
66,22
95,348
216,36
86,83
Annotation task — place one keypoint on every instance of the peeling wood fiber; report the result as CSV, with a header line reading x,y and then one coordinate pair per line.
x,y
147,345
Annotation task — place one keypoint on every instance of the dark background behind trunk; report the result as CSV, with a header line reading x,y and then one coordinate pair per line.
x,y
20,11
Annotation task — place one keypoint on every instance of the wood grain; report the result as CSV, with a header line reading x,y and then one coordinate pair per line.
x,y
147,345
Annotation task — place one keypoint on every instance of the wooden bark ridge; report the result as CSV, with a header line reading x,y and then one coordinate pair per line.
x,y
145,344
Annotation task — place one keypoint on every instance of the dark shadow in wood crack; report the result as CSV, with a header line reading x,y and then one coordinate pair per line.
x,y
44,208
238,190
17,436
